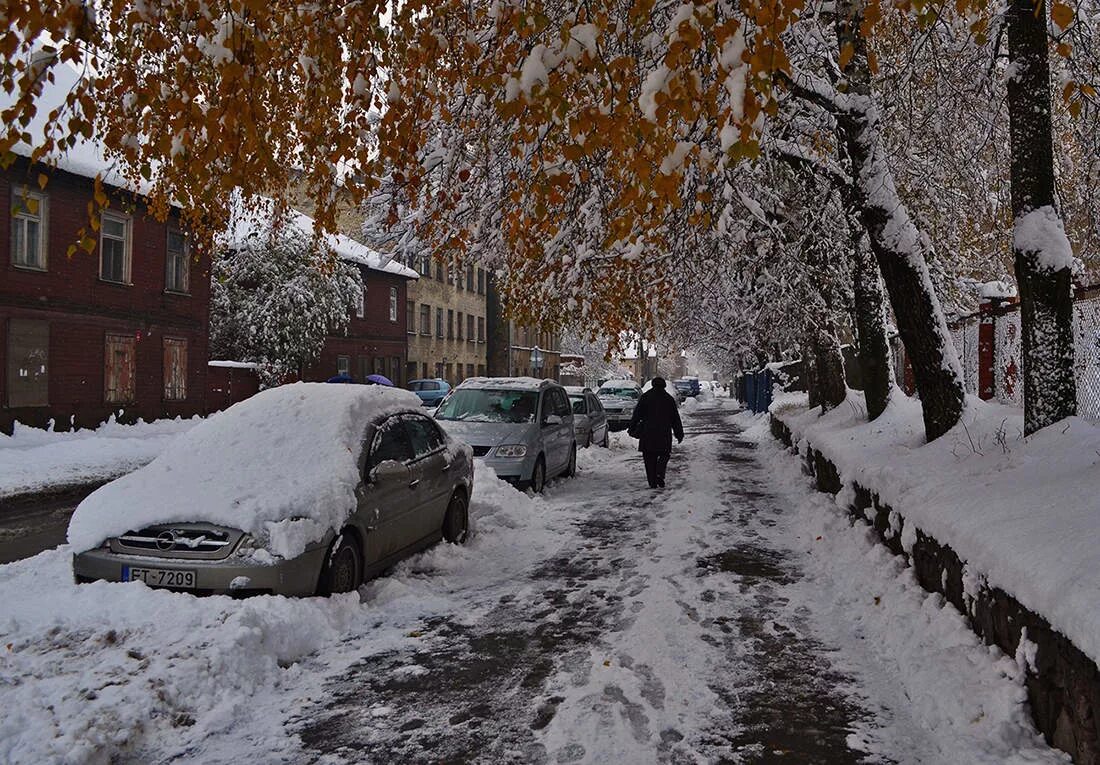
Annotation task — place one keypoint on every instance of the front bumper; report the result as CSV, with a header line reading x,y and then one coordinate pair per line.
x,y
512,469
618,420
296,576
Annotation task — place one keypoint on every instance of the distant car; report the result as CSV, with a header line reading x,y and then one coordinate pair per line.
x,y
301,489
431,392
672,391
589,418
618,398
520,426
689,386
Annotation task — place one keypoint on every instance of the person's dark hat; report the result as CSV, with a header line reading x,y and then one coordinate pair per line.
x,y
659,382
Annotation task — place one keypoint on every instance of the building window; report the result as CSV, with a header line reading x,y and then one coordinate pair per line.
x,y
410,317
439,370
481,281
28,229
175,369
425,374
460,323
395,371
343,365
470,278
28,363
481,329
450,324
114,249
439,275
439,322
469,370
410,370
470,327
425,319
393,303
120,360
426,265
360,304
449,374
175,279
480,370
456,277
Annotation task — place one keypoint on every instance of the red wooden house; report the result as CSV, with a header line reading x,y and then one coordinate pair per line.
x,y
120,331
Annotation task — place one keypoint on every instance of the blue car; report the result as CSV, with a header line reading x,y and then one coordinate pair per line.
x,y
431,392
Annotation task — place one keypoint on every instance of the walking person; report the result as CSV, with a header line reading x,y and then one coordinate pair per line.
x,y
656,418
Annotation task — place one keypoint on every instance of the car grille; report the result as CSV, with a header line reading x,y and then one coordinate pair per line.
x,y
481,451
174,539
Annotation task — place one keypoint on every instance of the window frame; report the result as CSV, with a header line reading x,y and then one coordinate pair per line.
x,y
110,340
425,320
185,254
18,195
341,359
394,300
127,246
439,323
380,429
360,305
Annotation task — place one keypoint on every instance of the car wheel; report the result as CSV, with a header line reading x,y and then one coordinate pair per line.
x,y
538,476
343,567
456,523
606,444
571,468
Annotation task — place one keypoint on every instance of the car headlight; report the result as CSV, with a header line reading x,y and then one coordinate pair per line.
x,y
628,410
247,546
512,450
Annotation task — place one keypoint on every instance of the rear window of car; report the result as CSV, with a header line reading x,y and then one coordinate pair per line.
x,y
619,392
580,405
424,385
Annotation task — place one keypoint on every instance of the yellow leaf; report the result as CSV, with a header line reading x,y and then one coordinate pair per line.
x,y
846,54
1062,15
32,205
43,179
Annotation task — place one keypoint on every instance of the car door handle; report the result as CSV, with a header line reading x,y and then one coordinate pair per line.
x,y
446,466
414,484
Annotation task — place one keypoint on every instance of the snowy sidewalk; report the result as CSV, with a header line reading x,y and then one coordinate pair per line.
x,y
735,617
34,460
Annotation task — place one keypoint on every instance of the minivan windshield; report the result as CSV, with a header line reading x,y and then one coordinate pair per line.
x,y
489,405
625,392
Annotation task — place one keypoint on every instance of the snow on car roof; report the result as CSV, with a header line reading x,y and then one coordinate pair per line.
x,y
506,383
621,384
576,390
287,452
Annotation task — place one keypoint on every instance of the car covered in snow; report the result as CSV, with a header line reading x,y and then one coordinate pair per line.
x,y
618,398
301,489
589,418
521,427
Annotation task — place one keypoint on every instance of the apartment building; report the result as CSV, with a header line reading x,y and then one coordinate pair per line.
x,y
446,322
534,352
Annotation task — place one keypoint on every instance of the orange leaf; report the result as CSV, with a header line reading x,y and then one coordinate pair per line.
x,y
1062,15
846,54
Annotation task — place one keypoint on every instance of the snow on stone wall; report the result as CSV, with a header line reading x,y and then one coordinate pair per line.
x,y
969,353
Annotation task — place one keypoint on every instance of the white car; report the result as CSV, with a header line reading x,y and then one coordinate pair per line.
x,y
618,398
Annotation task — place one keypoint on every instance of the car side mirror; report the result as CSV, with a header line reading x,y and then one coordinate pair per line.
x,y
552,419
388,470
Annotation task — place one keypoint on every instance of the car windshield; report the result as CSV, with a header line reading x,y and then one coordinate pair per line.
x,y
579,406
489,405
620,392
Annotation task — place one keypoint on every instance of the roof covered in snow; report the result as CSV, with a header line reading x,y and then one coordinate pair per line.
x,y
255,219
87,157
505,383
243,468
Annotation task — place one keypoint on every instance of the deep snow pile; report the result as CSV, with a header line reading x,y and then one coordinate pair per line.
x,y
35,460
109,672
285,452
1020,513
906,646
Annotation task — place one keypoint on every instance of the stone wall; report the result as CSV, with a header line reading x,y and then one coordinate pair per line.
x,y
1063,684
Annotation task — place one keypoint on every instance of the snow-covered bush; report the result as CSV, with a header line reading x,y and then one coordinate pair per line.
x,y
276,293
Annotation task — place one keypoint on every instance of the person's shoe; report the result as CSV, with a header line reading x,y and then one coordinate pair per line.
x,y
660,484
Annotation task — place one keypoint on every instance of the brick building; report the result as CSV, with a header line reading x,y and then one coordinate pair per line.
x,y
122,330
376,340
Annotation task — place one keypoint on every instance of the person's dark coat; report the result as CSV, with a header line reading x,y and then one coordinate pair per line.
x,y
656,418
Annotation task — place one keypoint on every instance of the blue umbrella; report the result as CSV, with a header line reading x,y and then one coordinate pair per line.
x,y
340,379
379,380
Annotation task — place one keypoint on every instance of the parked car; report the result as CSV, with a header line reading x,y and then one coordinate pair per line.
x,y
672,391
589,418
688,386
521,427
301,489
431,392
618,398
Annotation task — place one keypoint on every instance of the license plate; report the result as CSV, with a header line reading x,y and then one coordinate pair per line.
x,y
159,577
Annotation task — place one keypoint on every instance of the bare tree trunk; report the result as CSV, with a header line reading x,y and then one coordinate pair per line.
x,y
1042,252
810,372
830,369
874,353
894,238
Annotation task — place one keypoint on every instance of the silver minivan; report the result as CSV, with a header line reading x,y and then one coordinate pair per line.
x,y
520,426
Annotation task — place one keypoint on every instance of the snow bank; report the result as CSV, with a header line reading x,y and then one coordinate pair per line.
x,y
35,460
286,452
1023,512
917,648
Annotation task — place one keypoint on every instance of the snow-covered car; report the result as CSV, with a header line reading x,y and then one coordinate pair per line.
x,y
301,489
589,418
618,398
522,427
